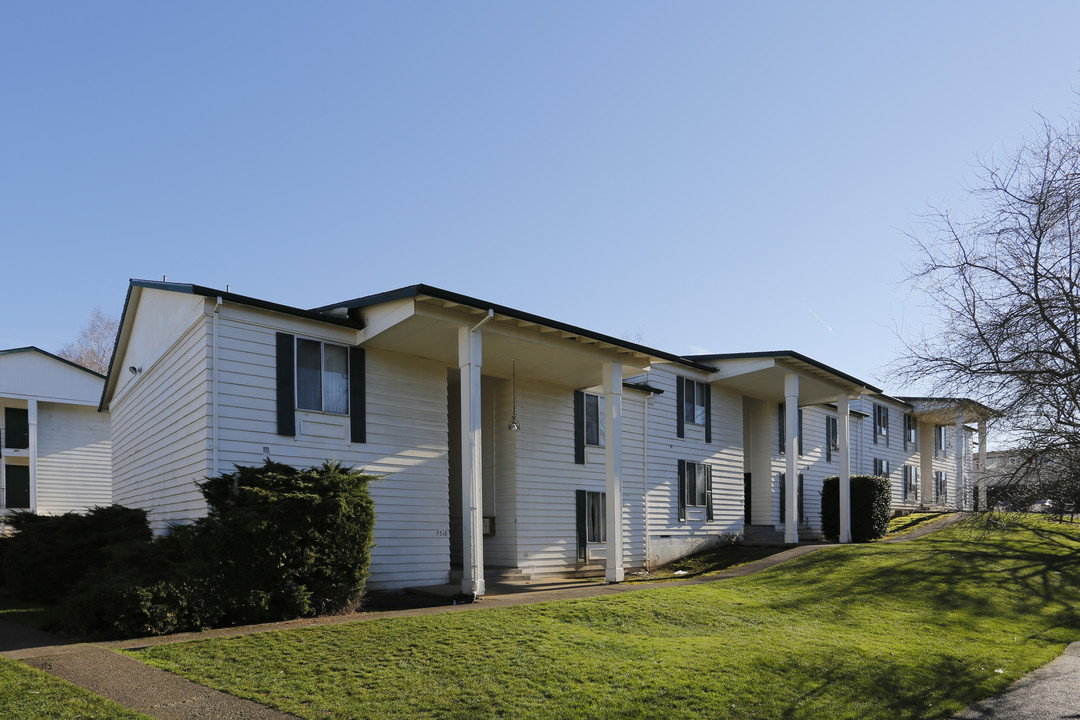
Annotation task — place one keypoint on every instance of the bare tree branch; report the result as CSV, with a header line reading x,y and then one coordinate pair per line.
x,y
93,347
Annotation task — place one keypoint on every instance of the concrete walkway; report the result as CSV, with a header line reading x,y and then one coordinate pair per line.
x,y
160,694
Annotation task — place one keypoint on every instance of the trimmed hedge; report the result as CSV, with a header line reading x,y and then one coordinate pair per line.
x,y
48,554
278,543
871,507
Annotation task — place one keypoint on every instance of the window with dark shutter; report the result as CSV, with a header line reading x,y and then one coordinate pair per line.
x,y
582,524
682,490
579,427
780,427
680,411
800,433
708,413
286,384
357,395
708,493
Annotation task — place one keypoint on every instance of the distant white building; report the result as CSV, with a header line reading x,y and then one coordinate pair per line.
x,y
54,444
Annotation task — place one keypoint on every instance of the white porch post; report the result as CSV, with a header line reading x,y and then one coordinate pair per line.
x,y
982,465
843,417
469,360
32,418
791,434
613,466
962,482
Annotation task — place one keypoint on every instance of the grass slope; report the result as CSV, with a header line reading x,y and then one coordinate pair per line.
x,y
29,694
909,630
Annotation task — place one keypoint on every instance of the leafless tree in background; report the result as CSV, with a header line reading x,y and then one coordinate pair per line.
x,y
93,346
1006,285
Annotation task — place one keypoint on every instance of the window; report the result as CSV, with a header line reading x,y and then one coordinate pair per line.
x,y
881,467
911,432
696,484
911,483
941,486
694,401
594,420
322,377
832,437
881,425
782,429
595,517
939,440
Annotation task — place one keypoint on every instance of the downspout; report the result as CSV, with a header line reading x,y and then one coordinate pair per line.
x,y
214,394
645,479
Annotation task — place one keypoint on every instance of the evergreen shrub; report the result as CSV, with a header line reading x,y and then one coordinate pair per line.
x,y
871,507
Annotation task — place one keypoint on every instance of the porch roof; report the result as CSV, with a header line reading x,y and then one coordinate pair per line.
x,y
761,375
946,410
424,320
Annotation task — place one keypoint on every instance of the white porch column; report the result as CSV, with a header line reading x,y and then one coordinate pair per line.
x,y
791,452
613,467
843,419
469,360
32,417
962,481
981,475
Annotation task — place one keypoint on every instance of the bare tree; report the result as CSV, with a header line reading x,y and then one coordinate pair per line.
x,y
93,347
1006,285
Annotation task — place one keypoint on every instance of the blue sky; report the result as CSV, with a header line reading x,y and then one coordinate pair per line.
x,y
698,177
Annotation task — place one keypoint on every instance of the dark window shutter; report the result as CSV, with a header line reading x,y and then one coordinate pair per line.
x,y
357,395
18,487
579,427
680,402
800,431
286,384
885,420
682,490
828,439
708,493
783,498
16,428
781,427
748,496
802,512
708,413
582,540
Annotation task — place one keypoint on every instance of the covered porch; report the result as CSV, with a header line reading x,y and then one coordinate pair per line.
x,y
775,387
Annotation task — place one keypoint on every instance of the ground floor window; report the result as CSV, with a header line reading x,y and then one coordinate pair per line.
x,y
595,517
940,486
881,467
911,483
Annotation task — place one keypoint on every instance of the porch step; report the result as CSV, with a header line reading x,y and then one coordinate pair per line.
x,y
762,535
493,574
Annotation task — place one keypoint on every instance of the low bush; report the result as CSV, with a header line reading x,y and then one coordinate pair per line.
x,y
47,555
277,543
871,506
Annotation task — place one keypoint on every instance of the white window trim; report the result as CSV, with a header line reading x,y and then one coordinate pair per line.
x,y
322,371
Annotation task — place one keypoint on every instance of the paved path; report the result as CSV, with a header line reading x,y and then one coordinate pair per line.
x,y
1050,693
166,696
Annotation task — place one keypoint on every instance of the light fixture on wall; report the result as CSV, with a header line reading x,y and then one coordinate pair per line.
x,y
134,370
514,425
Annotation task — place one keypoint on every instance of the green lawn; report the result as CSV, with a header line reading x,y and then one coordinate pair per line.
x,y
28,694
913,521
909,630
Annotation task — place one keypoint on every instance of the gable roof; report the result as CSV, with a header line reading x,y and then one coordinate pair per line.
x,y
797,359
33,348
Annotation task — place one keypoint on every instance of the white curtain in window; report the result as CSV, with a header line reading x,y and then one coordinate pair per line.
x,y
335,379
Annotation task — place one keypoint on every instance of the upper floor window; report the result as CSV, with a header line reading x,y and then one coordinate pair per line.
x,y
322,376
594,420
911,432
939,439
881,424
693,409
781,426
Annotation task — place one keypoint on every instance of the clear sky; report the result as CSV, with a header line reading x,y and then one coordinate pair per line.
x,y
697,177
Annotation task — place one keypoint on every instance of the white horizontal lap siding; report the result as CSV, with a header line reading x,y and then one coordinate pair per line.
x,y
74,465
548,478
161,433
724,454
813,464
406,438
894,452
